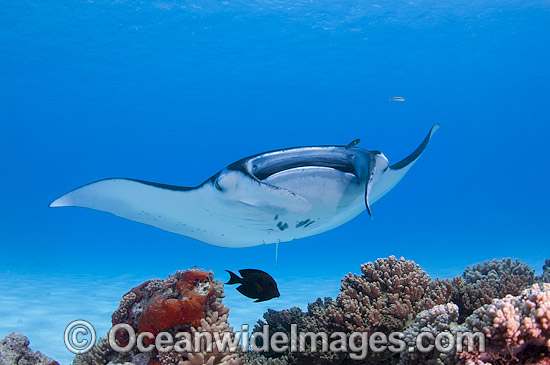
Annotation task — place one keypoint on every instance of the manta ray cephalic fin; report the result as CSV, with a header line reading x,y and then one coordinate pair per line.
x,y
395,172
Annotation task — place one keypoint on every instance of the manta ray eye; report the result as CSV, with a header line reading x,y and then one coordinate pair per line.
x,y
227,181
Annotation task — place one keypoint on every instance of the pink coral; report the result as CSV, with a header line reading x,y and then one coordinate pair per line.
x,y
517,327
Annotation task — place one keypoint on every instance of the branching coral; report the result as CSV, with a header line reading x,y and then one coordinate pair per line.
x,y
100,354
517,328
310,321
281,321
314,320
491,280
253,358
278,321
439,319
389,293
545,277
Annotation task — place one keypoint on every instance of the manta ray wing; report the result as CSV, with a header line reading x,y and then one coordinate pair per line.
x,y
141,201
202,213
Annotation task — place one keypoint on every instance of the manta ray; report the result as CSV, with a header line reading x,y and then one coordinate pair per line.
x,y
271,197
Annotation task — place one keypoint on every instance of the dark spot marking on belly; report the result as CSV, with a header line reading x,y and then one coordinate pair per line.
x,y
282,226
301,223
276,217
309,224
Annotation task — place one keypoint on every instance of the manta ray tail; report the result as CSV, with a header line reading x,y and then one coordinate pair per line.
x,y
277,254
395,172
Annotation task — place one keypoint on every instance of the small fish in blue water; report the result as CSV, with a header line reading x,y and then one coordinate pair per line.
x,y
255,284
397,98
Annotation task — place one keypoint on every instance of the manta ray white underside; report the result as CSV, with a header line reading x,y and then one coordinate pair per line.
x,y
272,197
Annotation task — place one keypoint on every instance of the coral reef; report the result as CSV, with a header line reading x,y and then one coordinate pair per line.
x,y
189,301
160,305
545,277
494,279
501,299
517,328
278,321
315,321
253,358
388,294
396,295
441,318
14,350
310,321
215,322
98,355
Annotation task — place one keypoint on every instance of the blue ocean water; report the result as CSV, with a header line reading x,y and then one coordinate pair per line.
x,y
173,91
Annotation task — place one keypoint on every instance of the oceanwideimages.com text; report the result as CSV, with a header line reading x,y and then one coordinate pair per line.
x,y
357,344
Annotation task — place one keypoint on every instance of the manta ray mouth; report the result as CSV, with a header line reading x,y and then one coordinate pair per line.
x,y
267,171
264,167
